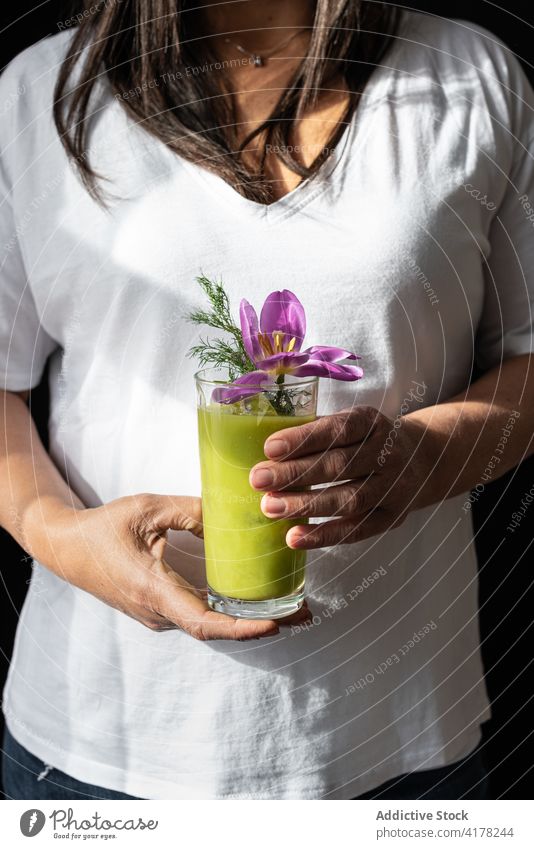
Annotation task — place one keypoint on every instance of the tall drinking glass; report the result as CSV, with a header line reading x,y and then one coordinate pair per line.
x,y
251,571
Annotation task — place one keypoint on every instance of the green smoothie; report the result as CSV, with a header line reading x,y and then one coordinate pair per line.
x,y
246,554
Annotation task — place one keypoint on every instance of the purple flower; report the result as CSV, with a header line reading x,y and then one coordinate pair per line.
x,y
274,344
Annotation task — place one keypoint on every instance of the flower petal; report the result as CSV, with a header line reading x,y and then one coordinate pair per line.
x,y
328,354
249,329
283,311
320,368
284,360
242,387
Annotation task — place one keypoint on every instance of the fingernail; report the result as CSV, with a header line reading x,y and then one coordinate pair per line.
x,y
298,539
276,447
271,504
272,633
262,478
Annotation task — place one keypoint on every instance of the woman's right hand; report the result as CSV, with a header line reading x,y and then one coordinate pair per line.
x,y
116,553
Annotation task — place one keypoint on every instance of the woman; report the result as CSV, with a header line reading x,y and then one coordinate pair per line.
x,y
379,167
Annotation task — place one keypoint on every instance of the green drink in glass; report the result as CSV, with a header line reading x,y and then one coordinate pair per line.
x,y
251,572
269,382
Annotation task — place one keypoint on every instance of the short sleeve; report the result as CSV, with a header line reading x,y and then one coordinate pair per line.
x,y
506,324
24,344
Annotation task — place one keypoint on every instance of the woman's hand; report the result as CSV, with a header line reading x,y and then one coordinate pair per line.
x,y
116,553
375,471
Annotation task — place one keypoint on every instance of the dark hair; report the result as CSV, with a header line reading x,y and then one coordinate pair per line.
x,y
134,42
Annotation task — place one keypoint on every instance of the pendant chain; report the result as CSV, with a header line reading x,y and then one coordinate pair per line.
x,y
259,59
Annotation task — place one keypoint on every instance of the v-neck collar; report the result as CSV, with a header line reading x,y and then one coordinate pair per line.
x,y
289,203
309,189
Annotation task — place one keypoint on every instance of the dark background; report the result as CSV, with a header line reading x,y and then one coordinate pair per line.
x,y
506,595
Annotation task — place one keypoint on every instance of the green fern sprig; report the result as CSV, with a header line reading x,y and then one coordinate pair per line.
x,y
219,352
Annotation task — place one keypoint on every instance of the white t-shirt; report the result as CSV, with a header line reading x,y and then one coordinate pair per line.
x,y
414,247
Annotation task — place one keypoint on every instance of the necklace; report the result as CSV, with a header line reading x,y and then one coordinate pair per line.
x,y
259,59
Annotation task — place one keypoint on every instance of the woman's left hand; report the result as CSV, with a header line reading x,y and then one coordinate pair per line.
x,y
376,471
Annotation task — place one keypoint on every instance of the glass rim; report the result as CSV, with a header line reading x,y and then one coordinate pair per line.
x,y
291,381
